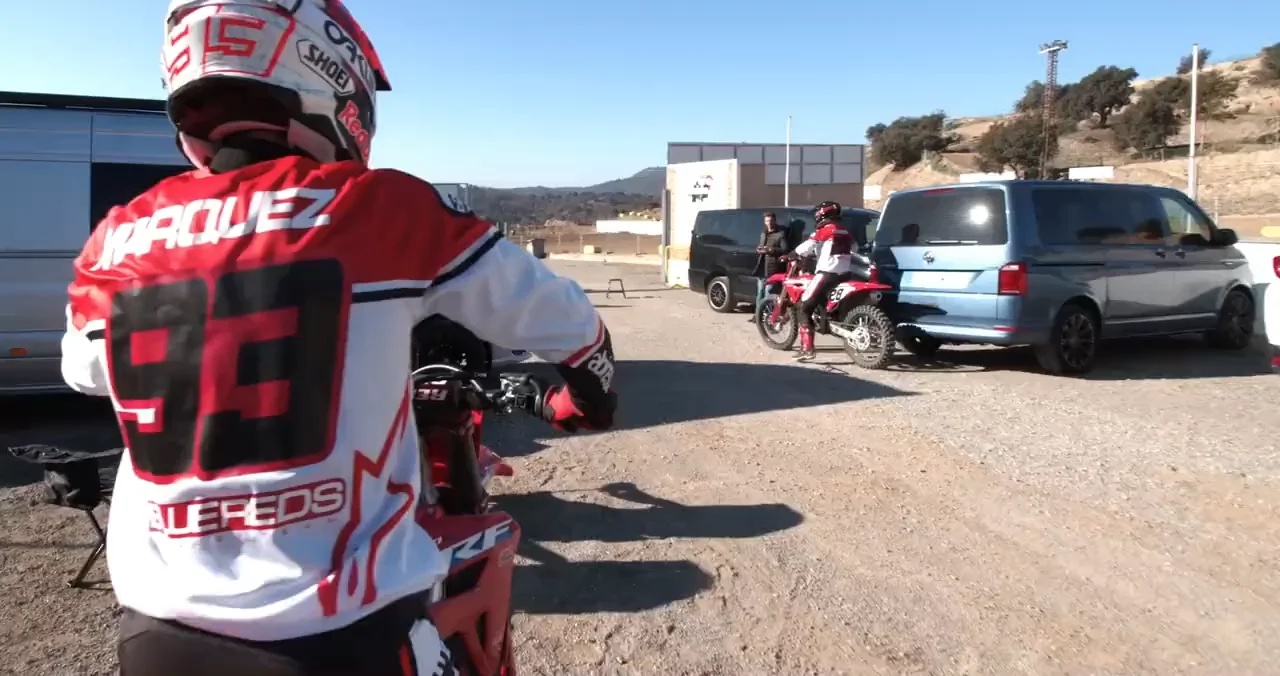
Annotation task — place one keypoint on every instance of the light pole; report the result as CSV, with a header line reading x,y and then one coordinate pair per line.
x,y
1195,105
786,170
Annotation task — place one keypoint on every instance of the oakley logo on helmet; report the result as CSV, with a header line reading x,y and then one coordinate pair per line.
x,y
339,38
324,65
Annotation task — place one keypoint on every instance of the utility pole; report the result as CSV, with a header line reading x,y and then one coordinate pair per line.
x,y
1048,118
786,171
1193,180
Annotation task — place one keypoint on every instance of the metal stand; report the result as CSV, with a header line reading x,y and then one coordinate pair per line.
x,y
78,582
621,288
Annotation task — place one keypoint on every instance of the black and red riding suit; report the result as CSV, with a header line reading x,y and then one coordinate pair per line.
x,y
833,246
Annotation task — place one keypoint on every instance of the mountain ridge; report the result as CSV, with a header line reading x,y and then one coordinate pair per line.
x,y
650,181
536,205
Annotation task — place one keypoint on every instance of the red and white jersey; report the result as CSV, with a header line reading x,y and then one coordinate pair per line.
x,y
832,245
253,331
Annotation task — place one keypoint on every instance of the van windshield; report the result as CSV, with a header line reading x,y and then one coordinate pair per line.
x,y
942,217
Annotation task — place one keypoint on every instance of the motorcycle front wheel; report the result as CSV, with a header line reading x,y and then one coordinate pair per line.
x,y
871,344
779,335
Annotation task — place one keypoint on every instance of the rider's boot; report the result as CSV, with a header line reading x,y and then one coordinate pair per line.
x,y
806,352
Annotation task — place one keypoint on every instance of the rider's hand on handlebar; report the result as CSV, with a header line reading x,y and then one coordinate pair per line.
x,y
567,413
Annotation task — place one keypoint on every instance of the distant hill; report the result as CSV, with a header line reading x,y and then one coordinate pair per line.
x,y
651,182
539,204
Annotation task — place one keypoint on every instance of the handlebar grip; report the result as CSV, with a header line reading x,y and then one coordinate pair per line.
x,y
530,393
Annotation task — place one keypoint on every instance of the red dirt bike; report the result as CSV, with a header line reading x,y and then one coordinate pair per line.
x,y
852,313
471,607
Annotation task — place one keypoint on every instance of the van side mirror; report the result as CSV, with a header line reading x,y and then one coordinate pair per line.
x,y
1225,237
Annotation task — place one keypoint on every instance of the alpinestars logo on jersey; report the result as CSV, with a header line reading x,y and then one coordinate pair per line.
x,y
601,366
176,224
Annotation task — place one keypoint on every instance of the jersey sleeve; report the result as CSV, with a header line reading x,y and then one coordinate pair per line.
x,y
84,343
509,298
808,247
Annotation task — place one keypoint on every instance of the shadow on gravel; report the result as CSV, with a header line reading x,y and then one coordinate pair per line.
x,y
556,585
659,392
72,421
1174,358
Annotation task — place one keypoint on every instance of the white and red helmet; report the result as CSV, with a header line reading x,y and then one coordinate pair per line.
x,y
302,67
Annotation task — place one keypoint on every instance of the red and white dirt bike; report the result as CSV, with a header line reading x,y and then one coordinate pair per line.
x,y
852,312
471,607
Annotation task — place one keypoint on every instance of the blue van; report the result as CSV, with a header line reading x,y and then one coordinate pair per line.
x,y
1059,265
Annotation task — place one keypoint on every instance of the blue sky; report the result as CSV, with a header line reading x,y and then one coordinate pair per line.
x,y
571,92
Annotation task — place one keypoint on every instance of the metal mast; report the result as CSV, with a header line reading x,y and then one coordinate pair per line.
x,y
1047,116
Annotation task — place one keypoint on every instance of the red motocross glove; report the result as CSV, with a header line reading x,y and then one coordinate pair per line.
x,y
568,413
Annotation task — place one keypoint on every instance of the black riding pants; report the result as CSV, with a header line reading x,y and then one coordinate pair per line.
x,y
816,292
395,641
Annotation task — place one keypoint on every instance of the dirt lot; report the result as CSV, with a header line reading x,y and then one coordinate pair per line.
x,y
751,516
570,239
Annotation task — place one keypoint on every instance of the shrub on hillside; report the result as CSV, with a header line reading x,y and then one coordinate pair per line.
x,y
1184,66
1102,92
1033,97
1269,73
1146,125
1016,144
904,141
1215,91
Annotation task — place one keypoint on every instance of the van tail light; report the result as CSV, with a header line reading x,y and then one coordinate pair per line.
x,y
1275,265
1012,280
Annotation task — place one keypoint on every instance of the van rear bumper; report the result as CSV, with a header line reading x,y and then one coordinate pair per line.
x,y
994,335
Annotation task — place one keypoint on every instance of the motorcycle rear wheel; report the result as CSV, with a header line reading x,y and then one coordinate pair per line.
x,y
876,349
779,336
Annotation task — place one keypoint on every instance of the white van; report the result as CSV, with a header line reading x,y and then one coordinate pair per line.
x,y
64,162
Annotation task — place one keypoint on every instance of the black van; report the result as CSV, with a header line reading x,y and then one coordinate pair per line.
x,y
723,255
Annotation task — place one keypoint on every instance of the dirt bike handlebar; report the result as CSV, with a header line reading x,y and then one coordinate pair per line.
x,y
501,393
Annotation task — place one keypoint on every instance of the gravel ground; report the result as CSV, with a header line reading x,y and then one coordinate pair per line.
x,y
751,516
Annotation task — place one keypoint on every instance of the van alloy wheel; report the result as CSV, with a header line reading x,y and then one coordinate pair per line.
x,y
718,295
1077,341
1234,330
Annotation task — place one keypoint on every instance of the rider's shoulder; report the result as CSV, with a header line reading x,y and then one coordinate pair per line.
x,y
410,189
393,178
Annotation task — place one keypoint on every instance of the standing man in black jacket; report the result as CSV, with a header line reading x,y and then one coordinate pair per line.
x,y
773,245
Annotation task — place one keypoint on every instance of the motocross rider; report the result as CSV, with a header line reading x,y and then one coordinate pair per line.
x,y
251,319
833,246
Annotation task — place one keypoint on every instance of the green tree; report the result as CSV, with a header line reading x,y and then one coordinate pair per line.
x,y
1033,97
904,141
1214,92
1184,66
1103,92
1269,73
875,131
1016,144
1146,125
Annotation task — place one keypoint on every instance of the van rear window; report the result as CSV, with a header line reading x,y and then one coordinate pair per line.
x,y
945,216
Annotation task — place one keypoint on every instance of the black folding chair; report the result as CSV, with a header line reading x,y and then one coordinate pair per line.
x,y
79,480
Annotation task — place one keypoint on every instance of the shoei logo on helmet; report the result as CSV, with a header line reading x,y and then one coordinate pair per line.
x,y
327,67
